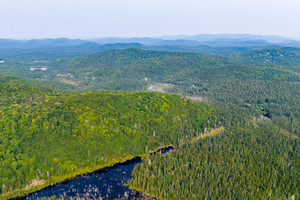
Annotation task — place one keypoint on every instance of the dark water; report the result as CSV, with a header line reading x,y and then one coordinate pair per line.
x,y
265,116
102,184
107,185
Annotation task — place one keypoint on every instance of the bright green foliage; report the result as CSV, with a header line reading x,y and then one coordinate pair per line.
x,y
241,163
45,133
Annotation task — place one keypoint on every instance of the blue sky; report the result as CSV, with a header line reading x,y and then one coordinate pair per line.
x,y
25,19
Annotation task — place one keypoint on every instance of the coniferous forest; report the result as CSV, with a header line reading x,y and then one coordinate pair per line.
x,y
241,163
233,115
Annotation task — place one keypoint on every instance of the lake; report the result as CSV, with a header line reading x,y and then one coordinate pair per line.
x,y
107,183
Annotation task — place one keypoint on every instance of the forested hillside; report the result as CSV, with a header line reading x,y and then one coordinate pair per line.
x,y
78,116
271,56
137,69
239,89
127,70
47,136
241,163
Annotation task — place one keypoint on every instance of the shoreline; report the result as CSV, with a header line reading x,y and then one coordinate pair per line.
x,y
97,171
139,194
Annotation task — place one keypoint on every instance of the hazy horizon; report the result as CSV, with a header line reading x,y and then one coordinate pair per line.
x,y
154,37
88,19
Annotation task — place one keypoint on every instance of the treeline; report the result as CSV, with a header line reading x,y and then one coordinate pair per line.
x,y
241,163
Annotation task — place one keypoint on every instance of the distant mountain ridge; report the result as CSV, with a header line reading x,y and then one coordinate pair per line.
x,y
211,37
207,39
213,40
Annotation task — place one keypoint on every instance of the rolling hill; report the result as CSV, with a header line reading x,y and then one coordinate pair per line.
x,y
47,136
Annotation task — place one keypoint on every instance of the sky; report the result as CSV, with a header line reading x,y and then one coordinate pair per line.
x,y
86,19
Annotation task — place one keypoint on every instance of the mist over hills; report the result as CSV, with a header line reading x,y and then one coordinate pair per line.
x,y
13,51
213,40
10,43
207,39
210,37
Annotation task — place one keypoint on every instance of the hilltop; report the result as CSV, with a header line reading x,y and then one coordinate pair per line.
x,y
49,136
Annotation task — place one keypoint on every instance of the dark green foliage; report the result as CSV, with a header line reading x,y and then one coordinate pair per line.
x,y
274,56
129,69
270,73
241,163
238,101
135,69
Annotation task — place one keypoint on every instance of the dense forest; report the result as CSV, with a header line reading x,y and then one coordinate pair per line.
x,y
47,135
241,163
137,69
238,88
91,111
